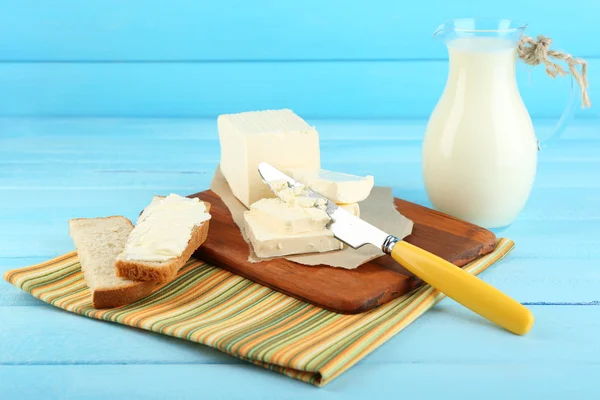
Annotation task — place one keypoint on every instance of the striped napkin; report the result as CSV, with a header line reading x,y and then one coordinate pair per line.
x,y
209,305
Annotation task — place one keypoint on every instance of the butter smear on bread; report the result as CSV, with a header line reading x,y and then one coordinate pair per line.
x,y
164,229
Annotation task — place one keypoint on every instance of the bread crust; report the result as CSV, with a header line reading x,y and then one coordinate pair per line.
x,y
163,271
121,296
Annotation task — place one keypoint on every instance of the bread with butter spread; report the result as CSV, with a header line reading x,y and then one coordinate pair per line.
x,y
168,232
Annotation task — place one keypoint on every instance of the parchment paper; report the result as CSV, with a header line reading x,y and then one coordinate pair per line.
x,y
378,209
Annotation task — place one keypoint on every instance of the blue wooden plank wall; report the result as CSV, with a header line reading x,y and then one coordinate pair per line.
x,y
335,58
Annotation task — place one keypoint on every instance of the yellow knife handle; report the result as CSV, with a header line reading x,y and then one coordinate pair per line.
x,y
466,289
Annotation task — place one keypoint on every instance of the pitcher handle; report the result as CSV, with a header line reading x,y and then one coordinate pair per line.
x,y
565,118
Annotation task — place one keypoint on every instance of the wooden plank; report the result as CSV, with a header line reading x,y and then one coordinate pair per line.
x,y
441,380
542,280
378,89
61,204
465,329
55,153
179,180
239,30
17,133
97,153
555,239
57,337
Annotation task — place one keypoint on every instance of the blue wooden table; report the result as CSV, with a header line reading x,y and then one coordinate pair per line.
x,y
55,169
104,104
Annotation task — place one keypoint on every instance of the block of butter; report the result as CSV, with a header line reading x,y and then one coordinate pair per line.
x,y
278,137
281,217
336,186
268,243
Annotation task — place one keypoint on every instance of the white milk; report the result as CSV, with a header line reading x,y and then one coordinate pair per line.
x,y
480,151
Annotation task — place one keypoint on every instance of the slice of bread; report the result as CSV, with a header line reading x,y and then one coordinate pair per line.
x,y
163,271
98,242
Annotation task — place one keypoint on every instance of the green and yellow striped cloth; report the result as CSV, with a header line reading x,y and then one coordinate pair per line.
x,y
209,305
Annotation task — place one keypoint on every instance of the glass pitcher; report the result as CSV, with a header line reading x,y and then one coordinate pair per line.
x,y
480,149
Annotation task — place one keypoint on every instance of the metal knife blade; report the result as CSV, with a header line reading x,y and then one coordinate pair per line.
x,y
346,227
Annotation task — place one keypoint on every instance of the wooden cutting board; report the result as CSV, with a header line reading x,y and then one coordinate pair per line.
x,y
341,290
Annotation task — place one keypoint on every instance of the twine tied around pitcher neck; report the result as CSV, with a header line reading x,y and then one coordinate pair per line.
x,y
535,52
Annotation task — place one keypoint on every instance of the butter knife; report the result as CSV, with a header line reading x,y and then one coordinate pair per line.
x,y
466,289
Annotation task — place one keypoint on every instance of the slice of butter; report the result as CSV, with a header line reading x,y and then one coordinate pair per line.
x,y
278,137
164,228
268,243
352,208
336,186
285,218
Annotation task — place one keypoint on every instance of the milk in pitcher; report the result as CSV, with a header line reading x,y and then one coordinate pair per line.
x,y
480,150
